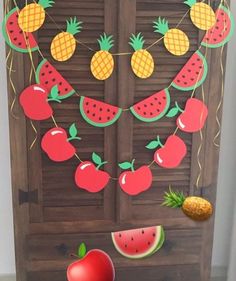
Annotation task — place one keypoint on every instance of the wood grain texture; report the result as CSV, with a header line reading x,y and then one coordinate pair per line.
x,y
47,232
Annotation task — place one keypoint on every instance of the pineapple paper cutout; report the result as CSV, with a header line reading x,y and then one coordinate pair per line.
x,y
175,40
142,61
196,208
202,15
32,16
102,63
64,44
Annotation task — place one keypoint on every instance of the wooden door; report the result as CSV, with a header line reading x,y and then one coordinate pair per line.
x,y
51,215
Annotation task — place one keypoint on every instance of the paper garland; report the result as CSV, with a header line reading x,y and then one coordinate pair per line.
x,y
64,44
175,40
135,182
56,144
201,14
15,37
142,62
32,16
102,63
139,243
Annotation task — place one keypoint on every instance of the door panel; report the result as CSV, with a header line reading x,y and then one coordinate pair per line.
x,y
47,232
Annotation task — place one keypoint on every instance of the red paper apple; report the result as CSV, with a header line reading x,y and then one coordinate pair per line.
x,y
89,177
35,101
57,144
171,154
134,182
194,116
96,265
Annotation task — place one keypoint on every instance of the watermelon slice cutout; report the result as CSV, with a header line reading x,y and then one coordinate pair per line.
x,y
139,243
152,108
97,113
193,74
222,31
17,39
48,76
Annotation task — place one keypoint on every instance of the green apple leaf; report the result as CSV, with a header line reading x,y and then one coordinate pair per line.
x,y
125,165
82,250
96,158
73,130
173,112
153,144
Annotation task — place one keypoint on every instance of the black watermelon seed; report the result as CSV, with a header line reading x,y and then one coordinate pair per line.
x,y
154,234
46,65
11,31
136,251
11,22
100,109
222,14
151,104
139,108
211,32
164,98
198,59
207,39
220,35
15,39
46,82
185,83
132,239
151,113
145,113
50,72
193,64
53,80
43,74
189,70
183,76
19,44
66,89
197,72
149,243
94,105
142,231
100,118
217,27
108,118
155,98
88,111
87,103
21,32
60,83
94,114
120,235
218,20
158,110
178,80
214,39
145,105
113,113
108,110
159,102
126,246
192,79
200,67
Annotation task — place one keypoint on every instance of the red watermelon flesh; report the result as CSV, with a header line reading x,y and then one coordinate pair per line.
x,y
193,74
97,113
48,76
139,243
14,36
152,108
222,31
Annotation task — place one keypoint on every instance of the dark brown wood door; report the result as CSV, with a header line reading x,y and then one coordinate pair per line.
x,y
62,216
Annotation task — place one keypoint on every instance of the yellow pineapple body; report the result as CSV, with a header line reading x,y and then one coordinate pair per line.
x,y
202,16
63,46
197,208
142,63
102,65
176,42
31,17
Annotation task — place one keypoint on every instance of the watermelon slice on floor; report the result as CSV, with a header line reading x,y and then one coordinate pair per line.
x,y
193,74
97,113
139,243
15,37
152,108
222,31
48,76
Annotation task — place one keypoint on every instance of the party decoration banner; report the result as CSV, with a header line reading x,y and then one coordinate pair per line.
x,y
17,39
196,208
139,243
135,182
97,113
48,76
141,61
64,44
175,40
102,63
193,74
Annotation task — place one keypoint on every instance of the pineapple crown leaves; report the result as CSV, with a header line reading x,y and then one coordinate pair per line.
x,y
137,41
173,199
161,25
190,3
105,42
46,3
73,26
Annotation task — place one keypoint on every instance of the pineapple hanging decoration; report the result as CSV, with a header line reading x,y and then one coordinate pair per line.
x,y
142,61
64,44
32,16
175,40
202,15
102,63
196,208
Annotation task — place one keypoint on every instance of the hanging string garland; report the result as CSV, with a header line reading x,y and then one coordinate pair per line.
x,y
190,77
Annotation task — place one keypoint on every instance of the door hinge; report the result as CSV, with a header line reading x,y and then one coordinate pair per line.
x,y
28,196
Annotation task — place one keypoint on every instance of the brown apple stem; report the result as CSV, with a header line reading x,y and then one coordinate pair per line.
x,y
74,256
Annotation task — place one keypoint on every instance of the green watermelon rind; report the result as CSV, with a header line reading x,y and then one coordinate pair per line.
x,y
6,37
162,114
72,92
200,82
226,40
156,247
100,125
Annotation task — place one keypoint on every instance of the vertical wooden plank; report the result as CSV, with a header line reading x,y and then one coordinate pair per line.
x,y
126,88
110,93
